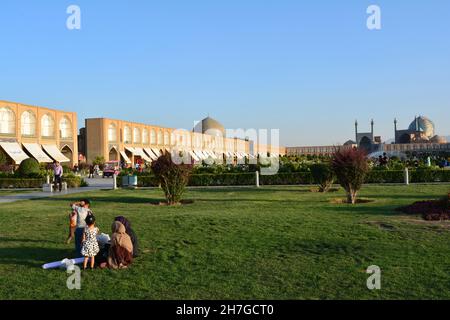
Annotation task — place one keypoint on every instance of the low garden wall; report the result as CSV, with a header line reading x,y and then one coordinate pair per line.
x,y
297,178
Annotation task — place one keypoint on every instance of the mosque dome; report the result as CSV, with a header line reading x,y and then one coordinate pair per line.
x,y
424,125
349,143
438,139
210,126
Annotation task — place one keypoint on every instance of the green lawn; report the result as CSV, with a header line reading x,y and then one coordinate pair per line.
x,y
271,243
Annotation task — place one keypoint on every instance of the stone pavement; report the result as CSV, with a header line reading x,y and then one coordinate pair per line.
x,y
94,184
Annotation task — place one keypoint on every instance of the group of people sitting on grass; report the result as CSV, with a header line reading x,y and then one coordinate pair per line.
x,y
117,253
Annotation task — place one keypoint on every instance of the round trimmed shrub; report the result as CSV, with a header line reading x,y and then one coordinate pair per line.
x,y
29,167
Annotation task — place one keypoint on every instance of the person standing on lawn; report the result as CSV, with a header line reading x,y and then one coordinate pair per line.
x,y
58,173
90,246
82,210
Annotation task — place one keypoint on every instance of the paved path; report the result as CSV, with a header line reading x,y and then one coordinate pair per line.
x,y
94,184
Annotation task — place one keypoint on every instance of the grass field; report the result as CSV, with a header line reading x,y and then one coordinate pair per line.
x,y
270,243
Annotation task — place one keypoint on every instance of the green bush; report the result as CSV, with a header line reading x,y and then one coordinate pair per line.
x,y
323,175
172,177
29,168
351,167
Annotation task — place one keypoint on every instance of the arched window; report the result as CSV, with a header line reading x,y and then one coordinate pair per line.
x,y
152,137
136,135
112,132
160,138
145,136
47,126
7,121
127,135
28,123
65,128
166,138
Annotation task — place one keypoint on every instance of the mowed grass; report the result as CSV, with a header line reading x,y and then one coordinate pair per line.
x,y
238,243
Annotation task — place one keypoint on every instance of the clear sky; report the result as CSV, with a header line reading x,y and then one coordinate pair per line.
x,y
308,68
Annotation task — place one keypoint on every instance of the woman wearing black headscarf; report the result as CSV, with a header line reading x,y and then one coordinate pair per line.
x,y
131,233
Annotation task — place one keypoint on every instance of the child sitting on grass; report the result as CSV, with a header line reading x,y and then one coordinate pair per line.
x,y
90,246
72,226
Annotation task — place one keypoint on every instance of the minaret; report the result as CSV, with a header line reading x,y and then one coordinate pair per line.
x,y
395,128
371,124
356,131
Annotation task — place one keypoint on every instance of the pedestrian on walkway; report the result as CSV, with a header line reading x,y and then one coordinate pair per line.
x,y
58,173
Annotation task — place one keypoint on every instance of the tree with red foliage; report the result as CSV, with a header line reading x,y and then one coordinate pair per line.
x,y
172,177
350,167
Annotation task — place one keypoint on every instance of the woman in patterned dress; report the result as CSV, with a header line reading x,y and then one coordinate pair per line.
x,y
90,246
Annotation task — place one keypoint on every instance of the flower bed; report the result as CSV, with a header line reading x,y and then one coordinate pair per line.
x,y
433,210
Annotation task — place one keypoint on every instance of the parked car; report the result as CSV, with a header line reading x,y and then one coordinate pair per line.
x,y
111,168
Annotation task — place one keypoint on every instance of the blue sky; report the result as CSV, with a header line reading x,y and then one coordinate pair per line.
x,y
307,68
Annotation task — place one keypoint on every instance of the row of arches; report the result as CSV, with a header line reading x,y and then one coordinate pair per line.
x,y
152,136
29,124
146,136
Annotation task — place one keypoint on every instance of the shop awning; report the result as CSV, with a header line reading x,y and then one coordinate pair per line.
x,y
150,154
130,149
125,157
157,152
205,154
210,154
36,152
199,154
53,151
14,150
140,152
193,155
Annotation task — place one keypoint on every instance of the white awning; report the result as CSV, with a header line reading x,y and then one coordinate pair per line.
x,y
125,157
157,152
14,150
193,155
205,154
150,154
140,153
200,155
211,154
37,152
54,153
130,149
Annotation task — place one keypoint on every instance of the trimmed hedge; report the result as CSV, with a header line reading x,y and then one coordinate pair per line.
x,y
24,183
415,176
248,179
21,183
